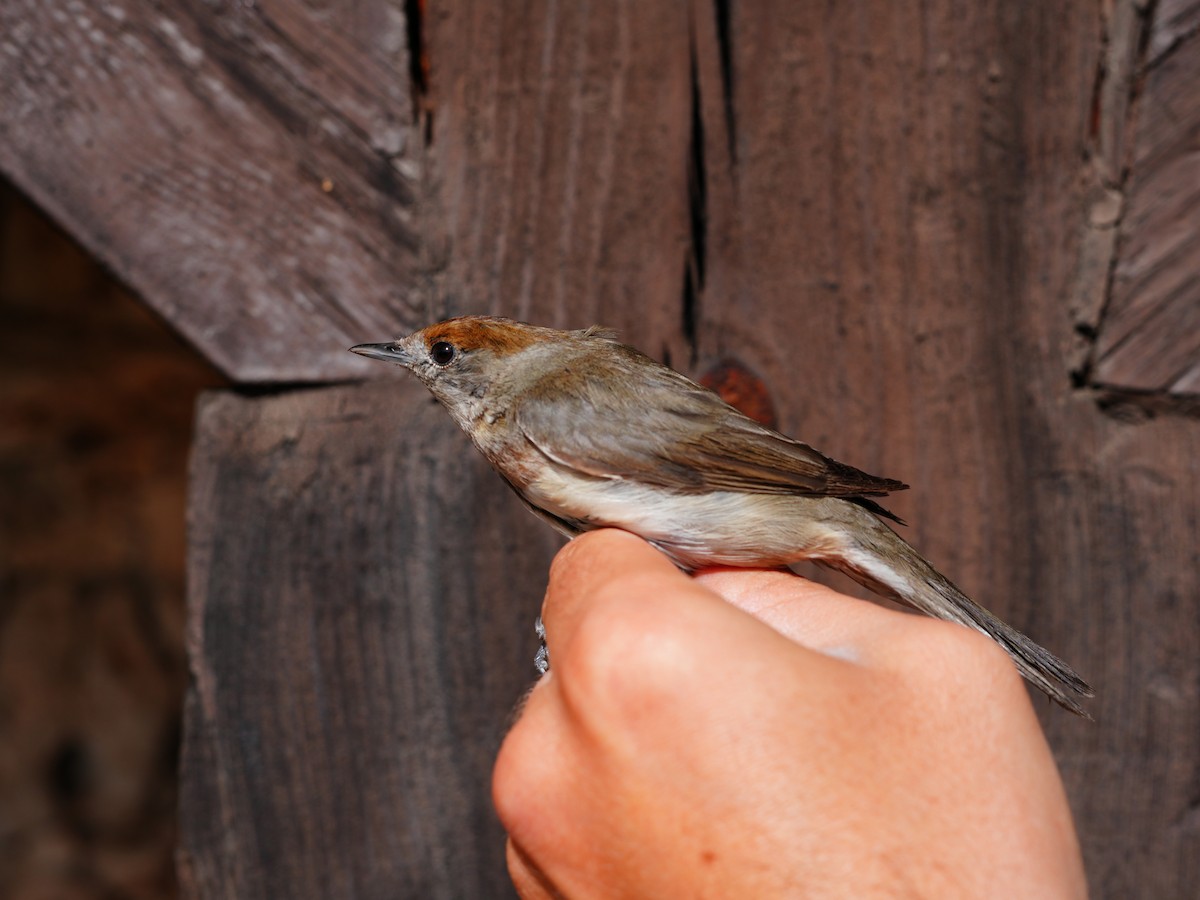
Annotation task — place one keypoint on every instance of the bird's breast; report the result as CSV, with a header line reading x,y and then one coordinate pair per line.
x,y
695,529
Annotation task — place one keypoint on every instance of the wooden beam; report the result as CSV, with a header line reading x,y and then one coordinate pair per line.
x,y
878,208
248,167
560,154
899,212
362,592
1149,338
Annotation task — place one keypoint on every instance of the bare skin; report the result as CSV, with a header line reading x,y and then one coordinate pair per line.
x,y
789,742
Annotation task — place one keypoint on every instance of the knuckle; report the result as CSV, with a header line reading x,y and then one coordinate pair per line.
x,y
579,567
621,659
604,643
587,549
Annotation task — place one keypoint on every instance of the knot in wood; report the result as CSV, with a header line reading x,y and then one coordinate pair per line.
x,y
741,389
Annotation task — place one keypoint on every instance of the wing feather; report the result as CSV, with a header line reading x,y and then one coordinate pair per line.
x,y
674,433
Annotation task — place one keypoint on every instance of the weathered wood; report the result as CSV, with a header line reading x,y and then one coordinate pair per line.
x,y
93,460
1174,21
901,219
247,167
524,233
362,595
879,208
560,161
1123,27
1149,338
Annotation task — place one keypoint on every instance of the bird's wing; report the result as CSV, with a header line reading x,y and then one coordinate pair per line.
x,y
671,432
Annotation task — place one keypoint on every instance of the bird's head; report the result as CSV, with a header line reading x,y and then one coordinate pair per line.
x,y
460,359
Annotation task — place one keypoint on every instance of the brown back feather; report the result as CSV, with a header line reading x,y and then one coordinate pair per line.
x,y
683,437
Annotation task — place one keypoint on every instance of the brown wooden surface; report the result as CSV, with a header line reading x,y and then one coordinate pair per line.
x,y
361,611
247,166
1174,22
903,217
93,466
1149,338
560,163
908,229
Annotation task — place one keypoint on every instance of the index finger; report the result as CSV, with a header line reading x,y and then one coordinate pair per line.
x,y
811,614
611,564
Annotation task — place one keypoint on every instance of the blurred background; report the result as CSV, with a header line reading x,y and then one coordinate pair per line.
x,y
96,399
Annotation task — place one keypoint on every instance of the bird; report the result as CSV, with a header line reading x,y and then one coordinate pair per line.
x,y
591,433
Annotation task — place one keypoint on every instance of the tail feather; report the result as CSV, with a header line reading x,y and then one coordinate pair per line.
x,y
902,574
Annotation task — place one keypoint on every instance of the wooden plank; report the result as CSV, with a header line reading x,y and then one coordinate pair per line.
x,y
1124,24
202,183
1149,338
93,460
901,222
1174,21
361,602
591,224
247,167
560,158
876,207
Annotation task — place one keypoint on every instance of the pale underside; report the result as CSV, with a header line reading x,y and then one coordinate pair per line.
x,y
715,528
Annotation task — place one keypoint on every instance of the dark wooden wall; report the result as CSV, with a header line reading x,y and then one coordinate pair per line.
x,y
93,487
935,230
363,594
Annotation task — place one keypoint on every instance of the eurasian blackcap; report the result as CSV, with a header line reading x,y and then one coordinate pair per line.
x,y
591,433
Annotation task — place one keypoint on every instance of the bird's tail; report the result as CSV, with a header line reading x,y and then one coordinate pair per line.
x,y
884,562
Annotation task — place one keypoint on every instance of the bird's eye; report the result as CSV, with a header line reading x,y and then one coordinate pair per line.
x,y
442,353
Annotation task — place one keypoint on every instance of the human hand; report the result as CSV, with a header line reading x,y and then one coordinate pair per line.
x,y
818,746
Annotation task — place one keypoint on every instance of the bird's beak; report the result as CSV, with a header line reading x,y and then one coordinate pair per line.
x,y
386,352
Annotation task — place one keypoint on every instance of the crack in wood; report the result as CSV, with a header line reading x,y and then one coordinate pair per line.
x,y
1133,406
1122,52
695,253
1126,293
1175,23
725,53
419,67
278,388
711,168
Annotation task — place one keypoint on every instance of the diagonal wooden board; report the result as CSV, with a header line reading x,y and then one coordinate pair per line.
x,y
247,167
1149,336
258,172
361,605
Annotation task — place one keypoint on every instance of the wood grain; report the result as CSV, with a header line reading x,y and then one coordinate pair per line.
x,y
885,211
1149,338
247,167
559,162
361,604
905,212
1174,22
